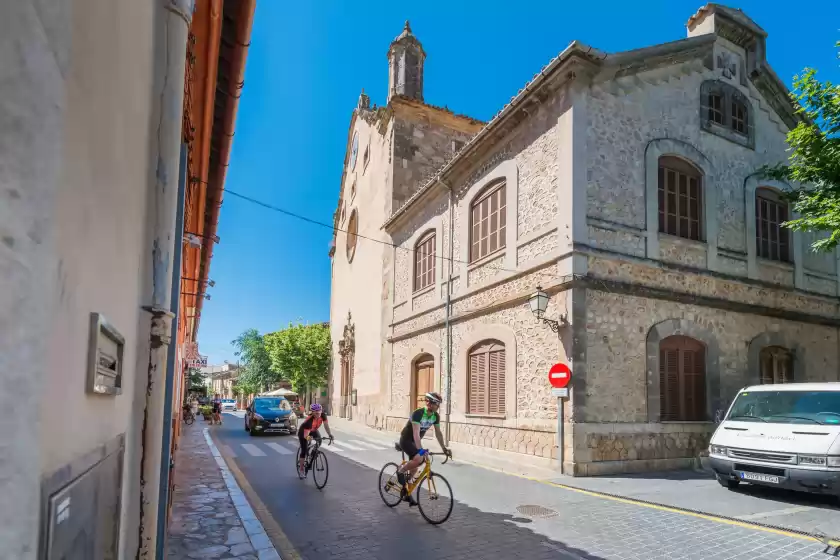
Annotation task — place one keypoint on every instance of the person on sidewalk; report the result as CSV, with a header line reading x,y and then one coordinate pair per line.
x,y
217,410
410,439
309,427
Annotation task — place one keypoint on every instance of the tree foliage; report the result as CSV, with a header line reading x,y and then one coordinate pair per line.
x,y
196,379
815,160
256,373
302,353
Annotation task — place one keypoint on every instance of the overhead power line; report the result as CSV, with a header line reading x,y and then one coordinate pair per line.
x,y
297,216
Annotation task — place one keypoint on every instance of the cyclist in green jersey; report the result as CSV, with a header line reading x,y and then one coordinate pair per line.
x,y
410,438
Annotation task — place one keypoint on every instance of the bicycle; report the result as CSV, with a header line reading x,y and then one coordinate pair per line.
x,y
316,461
189,417
392,493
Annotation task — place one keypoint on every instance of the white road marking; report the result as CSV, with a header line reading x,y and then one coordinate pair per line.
x,y
228,451
774,513
348,446
334,449
368,444
279,448
253,450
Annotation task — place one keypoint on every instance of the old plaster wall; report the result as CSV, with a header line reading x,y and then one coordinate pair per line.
x,y
34,53
358,284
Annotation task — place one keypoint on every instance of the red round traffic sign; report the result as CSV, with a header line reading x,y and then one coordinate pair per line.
x,y
559,375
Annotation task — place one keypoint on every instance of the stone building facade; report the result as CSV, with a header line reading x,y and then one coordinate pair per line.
x,y
628,187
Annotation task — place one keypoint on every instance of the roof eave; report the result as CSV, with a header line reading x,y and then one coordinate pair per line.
x,y
575,49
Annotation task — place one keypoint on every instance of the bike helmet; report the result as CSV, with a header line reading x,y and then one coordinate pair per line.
x,y
434,397
315,407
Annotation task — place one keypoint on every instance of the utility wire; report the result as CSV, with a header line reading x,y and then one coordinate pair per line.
x,y
297,216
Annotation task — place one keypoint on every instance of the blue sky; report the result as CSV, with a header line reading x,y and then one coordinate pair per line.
x,y
307,64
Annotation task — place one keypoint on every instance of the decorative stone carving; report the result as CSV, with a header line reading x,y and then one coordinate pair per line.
x,y
727,63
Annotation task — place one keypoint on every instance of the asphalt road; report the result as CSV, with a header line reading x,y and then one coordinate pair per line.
x,y
348,519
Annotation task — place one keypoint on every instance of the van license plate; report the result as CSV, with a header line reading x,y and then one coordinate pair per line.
x,y
760,477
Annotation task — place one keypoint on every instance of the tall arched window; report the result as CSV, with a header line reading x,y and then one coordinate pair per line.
x,y
776,365
488,222
486,387
424,261
771,211
680,198
682,379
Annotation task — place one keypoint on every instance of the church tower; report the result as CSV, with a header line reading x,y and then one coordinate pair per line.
x,y
405,66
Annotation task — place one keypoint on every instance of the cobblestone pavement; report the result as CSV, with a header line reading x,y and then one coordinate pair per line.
x,y
348,519
210,520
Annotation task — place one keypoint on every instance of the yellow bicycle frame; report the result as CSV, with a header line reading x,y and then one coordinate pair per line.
x,y
424,474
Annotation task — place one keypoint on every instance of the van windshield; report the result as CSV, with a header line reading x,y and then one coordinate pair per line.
x,y
787,407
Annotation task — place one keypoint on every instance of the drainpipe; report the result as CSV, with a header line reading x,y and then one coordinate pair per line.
x,y
448,324
166,442
176,21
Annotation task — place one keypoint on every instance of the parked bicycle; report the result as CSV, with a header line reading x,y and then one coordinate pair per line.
x,y
316,461
189,417
434,494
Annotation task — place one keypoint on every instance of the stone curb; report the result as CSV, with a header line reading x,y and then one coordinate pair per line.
x,y
254,529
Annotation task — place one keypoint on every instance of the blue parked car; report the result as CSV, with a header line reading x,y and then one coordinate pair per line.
x,y
267,415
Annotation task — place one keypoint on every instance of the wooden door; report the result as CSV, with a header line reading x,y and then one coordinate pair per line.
x,y
424,381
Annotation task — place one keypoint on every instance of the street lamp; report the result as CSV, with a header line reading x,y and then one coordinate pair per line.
x,y
205,296
539,303
210,283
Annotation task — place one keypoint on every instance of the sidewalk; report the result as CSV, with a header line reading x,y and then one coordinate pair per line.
x,y
211,517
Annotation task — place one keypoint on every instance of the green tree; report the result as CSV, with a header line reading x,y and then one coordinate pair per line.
x,y
257,374
196,379
815,159
302,353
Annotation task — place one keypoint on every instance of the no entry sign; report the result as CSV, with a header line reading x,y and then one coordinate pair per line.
x,y
559,375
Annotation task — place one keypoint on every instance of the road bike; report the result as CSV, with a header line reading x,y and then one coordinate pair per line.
x,y
316,461
434,494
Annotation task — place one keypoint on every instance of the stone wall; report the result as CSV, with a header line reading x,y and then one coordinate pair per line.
x,y
617,330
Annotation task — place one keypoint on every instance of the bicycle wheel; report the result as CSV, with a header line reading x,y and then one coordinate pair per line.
x,y
434,499
320,470
188,420
389,487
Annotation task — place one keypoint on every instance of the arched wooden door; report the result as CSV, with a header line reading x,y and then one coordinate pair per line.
x,y
423,380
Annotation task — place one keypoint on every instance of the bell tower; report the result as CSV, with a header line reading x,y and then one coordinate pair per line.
x,y
405,66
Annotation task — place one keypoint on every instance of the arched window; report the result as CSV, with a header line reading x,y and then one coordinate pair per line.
x,y
772,240
682,379
776,365
726,111
423,379
424,261
352,237
486,387
680,198
488,222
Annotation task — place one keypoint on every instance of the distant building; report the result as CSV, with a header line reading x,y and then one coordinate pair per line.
x,y
627,185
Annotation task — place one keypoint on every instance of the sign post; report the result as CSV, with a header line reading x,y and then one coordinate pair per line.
x,y
559,377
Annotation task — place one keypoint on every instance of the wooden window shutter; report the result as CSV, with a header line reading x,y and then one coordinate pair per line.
x,y
496,385
682,379
478,369
668,383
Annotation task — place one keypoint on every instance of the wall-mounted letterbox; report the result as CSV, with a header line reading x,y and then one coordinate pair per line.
x,y
105,357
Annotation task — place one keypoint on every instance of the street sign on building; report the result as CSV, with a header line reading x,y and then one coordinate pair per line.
x,y
559,375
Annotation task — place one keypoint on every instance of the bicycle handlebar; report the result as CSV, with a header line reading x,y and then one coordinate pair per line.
x,y
448,456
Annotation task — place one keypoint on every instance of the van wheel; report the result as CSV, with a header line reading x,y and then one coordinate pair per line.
x,y
728,482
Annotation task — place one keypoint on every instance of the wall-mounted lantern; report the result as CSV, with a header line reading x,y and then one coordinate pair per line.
x,y
539,303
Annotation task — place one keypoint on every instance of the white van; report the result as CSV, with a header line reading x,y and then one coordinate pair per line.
x,y
781,435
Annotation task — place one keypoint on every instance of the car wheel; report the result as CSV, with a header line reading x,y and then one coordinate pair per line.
x,y
729,483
